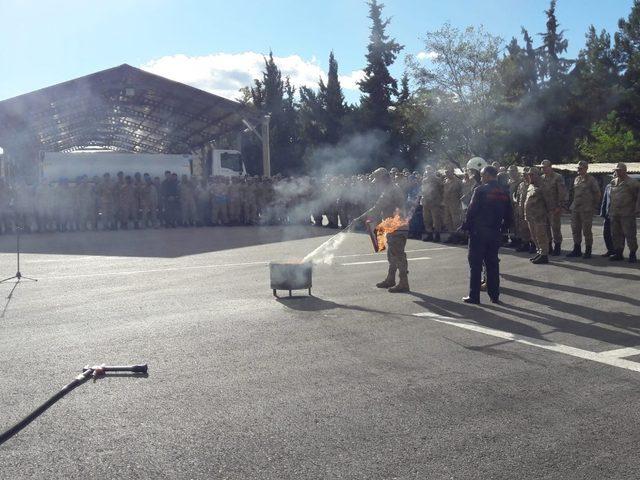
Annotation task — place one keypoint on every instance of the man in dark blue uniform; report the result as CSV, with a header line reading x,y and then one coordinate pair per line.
x,y
489,214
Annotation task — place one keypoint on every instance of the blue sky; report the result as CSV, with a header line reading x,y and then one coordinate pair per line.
x,y
216,45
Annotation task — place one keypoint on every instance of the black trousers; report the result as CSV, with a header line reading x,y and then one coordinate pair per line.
x,y
606,232
483,249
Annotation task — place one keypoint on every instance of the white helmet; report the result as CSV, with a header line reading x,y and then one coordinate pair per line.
x,y
476,163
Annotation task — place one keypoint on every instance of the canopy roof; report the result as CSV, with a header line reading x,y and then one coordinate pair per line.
x,y
122,108
632,167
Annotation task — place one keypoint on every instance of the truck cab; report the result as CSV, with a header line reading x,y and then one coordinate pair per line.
x,y
227,163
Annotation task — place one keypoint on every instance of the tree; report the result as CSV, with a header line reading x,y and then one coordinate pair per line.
x,y
627,55
610,141
378,86
553,67
276,97
595,88
333,101
462,79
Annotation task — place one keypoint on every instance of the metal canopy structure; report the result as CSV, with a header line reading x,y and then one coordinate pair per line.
x,y
123,109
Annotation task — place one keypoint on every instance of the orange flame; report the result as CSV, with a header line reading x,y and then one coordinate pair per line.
x,y
388,225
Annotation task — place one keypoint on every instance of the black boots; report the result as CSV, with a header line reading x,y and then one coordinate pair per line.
x,y
632,257
532,247
576,252
617,256
540,260
436,237
587,252
556,250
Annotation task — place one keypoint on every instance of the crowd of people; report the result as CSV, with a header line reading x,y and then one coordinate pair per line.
x,y
436,202
142,201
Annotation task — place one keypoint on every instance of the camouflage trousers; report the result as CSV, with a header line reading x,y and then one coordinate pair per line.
x,y
540,237
219,213
452,216
396,255
522,228
432,216
624,228
581,223
553,227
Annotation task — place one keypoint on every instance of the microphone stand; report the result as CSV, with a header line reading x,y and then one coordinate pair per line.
x,y
18,276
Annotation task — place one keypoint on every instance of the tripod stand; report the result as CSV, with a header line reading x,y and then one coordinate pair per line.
x,y
18,276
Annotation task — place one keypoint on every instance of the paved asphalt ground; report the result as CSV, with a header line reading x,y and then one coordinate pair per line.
x,y
349,383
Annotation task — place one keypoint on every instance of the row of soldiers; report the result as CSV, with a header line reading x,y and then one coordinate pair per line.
x,y
140,201
540,201
539,198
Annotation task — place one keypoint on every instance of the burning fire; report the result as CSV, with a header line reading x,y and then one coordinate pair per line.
x,y
388,225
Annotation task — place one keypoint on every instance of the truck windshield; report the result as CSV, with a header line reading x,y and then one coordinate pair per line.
x,y
232,161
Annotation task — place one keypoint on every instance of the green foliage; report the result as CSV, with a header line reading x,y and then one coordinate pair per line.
x,y
378,86
610,141
518,103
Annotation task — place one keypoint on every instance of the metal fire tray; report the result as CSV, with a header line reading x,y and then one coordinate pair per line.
x,y
290,276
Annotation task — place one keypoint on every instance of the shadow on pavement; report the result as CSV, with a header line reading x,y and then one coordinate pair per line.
x,y
603,271
163,243
559,324
572,289
477,314
315,304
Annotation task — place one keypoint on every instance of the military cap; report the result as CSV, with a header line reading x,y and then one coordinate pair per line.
x,y
583,164
621,166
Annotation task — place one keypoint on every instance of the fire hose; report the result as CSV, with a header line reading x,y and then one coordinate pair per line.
x,y
87,373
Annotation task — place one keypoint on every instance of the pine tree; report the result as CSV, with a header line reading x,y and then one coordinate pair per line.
x,y
553,45
627,55
531,63
404,94
333,101
378,86
596,78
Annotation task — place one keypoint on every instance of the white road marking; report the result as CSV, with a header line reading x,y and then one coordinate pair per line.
x,y
155,270
621,352
380,261
539,343
195,267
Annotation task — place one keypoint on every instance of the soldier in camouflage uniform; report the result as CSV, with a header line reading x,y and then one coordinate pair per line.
x,y
107,201
6,222
127,202
526,243
219,201
148,203
555,196
432,205
586,199
187,202
536,214
391,202
451,195
203,203
514,180
625,206
234,206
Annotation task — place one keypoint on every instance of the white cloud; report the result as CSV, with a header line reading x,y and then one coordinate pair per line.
x,y
224,74
427,55
350,82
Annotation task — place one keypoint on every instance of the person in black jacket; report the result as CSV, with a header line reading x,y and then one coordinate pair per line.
x,y
604,213
489,214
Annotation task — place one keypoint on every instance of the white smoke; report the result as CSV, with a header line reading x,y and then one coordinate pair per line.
x,y
326,252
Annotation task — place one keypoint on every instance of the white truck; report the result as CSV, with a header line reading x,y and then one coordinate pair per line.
x,y
70,165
